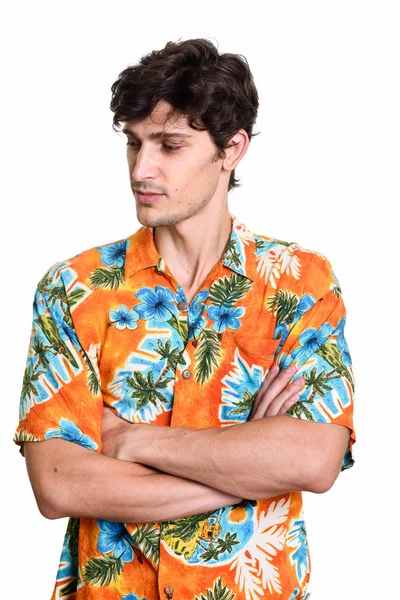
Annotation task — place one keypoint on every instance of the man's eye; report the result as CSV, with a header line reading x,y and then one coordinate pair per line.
x,y
172,148
166,146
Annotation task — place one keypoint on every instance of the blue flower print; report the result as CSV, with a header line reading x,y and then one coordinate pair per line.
x,y
225,317
297,539
114,538
113,255
305,303
71,432
310,341
282,331
132,597
123,317
342,344
284,361
197,306
196,321
156,304
196,326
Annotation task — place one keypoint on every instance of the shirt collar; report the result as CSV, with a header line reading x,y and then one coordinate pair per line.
x,y
141,252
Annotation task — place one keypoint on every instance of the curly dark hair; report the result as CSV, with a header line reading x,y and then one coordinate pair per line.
x,y
215,91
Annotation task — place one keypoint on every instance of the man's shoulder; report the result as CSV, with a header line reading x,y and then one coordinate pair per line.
x,y
89,264
290,265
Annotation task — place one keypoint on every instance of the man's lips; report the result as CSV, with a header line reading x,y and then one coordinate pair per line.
x,y
147,197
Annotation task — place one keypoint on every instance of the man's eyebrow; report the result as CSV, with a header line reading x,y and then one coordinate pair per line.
x,y
156,135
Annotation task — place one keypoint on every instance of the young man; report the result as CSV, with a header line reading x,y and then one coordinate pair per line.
x,y
231,342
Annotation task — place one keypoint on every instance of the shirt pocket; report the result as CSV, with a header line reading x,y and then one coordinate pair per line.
x,y
246,369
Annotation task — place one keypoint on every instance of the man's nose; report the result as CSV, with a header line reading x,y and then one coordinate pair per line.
x,y
145,164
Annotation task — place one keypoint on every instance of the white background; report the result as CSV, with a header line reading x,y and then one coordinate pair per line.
x,y
323,172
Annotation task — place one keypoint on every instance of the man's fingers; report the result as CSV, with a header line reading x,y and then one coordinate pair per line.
x,y
272,387
276,406
271,405
272,374
289,403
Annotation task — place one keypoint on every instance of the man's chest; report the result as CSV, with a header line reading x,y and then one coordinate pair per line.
x,y
165,360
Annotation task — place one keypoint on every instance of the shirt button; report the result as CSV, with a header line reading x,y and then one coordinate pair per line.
x,y
168,592
186,374
182,305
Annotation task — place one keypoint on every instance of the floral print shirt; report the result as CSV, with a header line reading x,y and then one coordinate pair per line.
x,y
112,325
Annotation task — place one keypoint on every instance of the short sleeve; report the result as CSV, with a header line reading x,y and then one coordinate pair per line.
x,y
313,339
61,393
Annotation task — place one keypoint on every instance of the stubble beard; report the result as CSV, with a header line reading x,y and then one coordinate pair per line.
x,y
149,218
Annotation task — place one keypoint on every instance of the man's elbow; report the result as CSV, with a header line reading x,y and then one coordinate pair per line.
x,y
48,493
325,473
47,504
322,482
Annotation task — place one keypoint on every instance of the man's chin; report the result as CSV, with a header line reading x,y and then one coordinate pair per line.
x,y
149,218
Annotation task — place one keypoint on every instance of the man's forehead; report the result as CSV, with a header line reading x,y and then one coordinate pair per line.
x,y
162,119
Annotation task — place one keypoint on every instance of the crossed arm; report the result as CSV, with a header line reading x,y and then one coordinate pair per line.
x,y
201,470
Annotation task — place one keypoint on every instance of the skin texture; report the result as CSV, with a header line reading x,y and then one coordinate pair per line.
x,y
192,226
285,454
192,219
65,476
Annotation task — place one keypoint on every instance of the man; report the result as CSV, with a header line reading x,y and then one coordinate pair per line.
x,y
231,342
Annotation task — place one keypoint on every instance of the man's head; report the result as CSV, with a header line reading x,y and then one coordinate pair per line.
x,y
208,102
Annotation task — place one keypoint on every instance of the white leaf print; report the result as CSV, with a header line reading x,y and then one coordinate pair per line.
x,y
246,576
277,261
244,234
254,566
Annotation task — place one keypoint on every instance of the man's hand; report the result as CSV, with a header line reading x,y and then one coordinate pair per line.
x,y
276,395
117,436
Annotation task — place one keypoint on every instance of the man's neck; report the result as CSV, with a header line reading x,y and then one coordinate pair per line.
x,y
193,247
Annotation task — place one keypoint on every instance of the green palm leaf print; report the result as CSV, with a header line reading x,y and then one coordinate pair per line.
x,y
69,588
212,553
104,277
73,532
146,537
244,405
28,386
227,292
284,305
40,351
186,527
219,592
146,390
207,355
300,408
102,570
174,356
232,254
181,326
50,330
76,295
333,356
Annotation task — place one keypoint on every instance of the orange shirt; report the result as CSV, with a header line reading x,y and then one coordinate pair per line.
x,y
112,325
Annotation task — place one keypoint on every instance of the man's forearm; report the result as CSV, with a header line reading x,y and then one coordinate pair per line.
x,y
69,480
254,460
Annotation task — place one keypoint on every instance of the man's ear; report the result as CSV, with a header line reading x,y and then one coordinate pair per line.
x,y
235,150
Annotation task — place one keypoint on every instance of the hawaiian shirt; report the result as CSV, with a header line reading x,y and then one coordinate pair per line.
x,y
113,326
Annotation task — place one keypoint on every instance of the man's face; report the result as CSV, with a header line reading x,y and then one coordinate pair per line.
x,y
183,168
